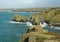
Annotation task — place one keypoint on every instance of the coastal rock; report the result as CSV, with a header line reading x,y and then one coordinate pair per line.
x,y
44,16
52,13
37,28
19,18
36,18
55,20
40,37
35,37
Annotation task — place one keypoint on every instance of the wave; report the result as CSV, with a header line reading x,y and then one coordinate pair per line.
x,y
57,28
16,22
13,22
29,24
43,24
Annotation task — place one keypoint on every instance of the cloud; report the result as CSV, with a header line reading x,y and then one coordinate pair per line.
x,y
28,3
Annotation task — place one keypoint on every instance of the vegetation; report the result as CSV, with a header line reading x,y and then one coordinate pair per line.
x,y
39,37
56,19
37,28
38,34
46,16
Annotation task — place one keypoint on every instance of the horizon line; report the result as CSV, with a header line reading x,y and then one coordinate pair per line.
x,y
30,7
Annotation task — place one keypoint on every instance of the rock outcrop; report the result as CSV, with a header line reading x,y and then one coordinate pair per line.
x,y
19,18
55,20
37,37
38,34
37,28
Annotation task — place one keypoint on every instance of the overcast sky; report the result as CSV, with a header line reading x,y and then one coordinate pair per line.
x,y
29,3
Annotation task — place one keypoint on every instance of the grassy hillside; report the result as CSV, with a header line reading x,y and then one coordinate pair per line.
x,y
46,16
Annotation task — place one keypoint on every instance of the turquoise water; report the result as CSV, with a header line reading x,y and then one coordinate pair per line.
x,y
54,30
11,32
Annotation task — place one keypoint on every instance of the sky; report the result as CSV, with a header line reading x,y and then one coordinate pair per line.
x,y
29,3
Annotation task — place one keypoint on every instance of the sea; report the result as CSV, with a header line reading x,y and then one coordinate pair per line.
x,y
12,32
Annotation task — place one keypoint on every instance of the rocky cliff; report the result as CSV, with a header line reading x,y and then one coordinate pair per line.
x,y
38,34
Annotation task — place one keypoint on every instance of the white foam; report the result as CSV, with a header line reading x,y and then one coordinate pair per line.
x,y
29,24
17,22
44,24
13,22
57,28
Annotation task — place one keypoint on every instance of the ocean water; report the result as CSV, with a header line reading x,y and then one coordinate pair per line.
x,y
12,32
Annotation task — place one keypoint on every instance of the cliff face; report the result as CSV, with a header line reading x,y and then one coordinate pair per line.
x,y
55,20
35,37
19,18
38,34
39,37
33,33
